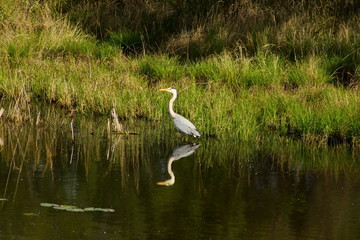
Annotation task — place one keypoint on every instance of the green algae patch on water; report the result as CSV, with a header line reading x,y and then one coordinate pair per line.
x,y
65,207
71,208
74,210
92,209
49,205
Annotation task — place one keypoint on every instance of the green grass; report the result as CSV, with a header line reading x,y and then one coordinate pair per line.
x,y
295,86
216,100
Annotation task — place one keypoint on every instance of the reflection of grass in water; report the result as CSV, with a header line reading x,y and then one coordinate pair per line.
x,y
49,147
277,155
131,156
126,163
51,150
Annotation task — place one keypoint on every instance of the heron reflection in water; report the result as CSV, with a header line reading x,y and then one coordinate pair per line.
x,y
179,152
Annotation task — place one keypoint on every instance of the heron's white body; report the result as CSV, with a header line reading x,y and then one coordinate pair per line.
x,y
181,123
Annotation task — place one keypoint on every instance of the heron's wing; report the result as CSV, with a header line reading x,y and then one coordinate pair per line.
x,y
184,150
185,126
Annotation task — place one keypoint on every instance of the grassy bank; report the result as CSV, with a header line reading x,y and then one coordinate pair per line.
x,y
293,81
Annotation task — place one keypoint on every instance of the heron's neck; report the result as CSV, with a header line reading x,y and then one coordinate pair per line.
x,y
171,181
171,103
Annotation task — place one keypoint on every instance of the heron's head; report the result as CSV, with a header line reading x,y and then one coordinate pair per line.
x,y
166,183
170,90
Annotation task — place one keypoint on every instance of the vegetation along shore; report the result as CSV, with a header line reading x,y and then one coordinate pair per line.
x,y
242,68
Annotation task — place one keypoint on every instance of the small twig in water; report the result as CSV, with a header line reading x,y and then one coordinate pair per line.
x,y
37,119
72,130
108,128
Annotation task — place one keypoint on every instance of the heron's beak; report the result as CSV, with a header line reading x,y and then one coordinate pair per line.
x,y
164,90
164,183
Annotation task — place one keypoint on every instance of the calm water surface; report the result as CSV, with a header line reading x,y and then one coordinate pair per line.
x,y
164,186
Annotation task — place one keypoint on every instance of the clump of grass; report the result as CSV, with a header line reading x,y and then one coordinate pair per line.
x,y
162,67
344,70
130,42
264,70
306,72
324,113
222,68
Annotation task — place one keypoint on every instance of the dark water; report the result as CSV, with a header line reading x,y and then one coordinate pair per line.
x,y
163,186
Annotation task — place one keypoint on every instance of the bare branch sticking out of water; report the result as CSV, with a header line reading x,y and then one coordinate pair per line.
x,y
37,119
118,126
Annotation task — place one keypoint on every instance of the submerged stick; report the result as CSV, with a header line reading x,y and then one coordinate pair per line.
x,y
72,130
72,153
126,133
108,128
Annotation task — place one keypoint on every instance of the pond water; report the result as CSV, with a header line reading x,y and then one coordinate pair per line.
x,y
160,185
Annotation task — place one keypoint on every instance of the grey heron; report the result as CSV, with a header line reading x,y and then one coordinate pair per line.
x,y
181,123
